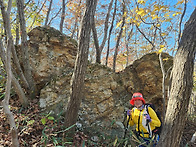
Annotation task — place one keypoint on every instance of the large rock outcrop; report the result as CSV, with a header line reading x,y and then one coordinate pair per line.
x,y
52,54
106,94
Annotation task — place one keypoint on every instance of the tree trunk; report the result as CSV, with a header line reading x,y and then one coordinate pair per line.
x,y
77,82
110,32
181,87
62,16
98,48
24,47
5,102
118,39
96,42
6,21
48,13
18,89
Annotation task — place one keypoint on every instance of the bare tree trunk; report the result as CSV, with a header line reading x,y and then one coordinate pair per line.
x,y
77,81
118,39
163,84
48,13
24,47
110,32
96,42
181,86
62,16
5,102
127,44
106,26
98,48
17,87
17,31
75,28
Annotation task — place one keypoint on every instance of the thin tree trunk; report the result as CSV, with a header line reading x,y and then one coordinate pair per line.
x,y
181,86
77,82
98,48
24,47
163,84
48,12
118,39
110,32
62,16
19,91
5,102
76,24
127,45
106,26
96,42
17,31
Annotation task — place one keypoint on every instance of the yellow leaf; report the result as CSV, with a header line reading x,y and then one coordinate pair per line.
x,y
125,14
158,25
160,51
163,34
168,20
165,59
140,11
166,15
177,13
138,24
161,46
141,1
118,24
152,13
179,9
154,17
157,8
180,2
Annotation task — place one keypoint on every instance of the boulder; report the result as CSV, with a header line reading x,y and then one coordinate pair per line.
x,y
51,54
106,93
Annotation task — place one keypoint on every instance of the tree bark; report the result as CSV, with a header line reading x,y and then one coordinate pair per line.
x,y
98,48
5,102
110,32
17,87
118,39
181,86
96,42
24,47
48,13
77,82
62,16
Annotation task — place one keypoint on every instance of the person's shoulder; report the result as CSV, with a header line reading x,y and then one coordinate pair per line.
x,y
150,109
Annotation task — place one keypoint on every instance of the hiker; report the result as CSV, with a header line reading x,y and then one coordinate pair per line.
x,y
147,119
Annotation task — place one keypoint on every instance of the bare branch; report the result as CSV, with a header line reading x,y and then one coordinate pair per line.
x,y
48,12
180,23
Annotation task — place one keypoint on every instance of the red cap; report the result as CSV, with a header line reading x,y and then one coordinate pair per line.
x,y
137,96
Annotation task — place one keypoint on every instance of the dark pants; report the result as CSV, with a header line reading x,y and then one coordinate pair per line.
x,y
148,141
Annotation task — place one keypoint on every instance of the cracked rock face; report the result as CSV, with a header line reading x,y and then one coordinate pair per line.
x,y
106,94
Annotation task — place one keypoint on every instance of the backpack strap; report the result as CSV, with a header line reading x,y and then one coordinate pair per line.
x,y
147,123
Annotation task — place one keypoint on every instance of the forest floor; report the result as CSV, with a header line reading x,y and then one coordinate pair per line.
x,y
38,130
